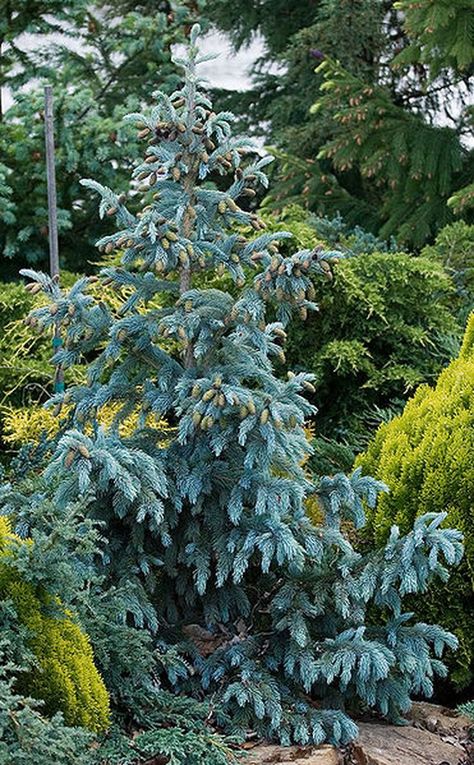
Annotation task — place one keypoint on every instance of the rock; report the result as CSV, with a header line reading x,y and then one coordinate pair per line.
x,y
431,724
439,719
269,754
380,744
436,736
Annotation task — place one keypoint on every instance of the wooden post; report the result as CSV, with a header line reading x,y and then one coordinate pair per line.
x,y
51,176
52,219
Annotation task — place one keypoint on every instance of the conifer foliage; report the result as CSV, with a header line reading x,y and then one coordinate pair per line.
x,y
208,524
67,679
425,455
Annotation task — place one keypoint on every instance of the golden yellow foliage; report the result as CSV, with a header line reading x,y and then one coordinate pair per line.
x,y
425,456
65,678
26,425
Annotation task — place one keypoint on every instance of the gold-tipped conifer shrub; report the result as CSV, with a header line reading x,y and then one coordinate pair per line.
x,y
426,456
64,676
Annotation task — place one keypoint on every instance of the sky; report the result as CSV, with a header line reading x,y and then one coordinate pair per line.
x,y
230,70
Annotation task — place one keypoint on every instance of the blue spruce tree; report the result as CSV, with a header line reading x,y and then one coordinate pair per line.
x,y
282,623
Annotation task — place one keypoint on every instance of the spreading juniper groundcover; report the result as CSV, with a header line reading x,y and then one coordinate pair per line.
x,y
283,624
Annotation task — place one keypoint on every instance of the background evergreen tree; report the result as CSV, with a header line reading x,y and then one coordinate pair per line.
x,y
414,164
106,61
29,17
207,528
380,60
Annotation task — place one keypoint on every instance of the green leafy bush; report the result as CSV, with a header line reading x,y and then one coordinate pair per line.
x,y
27,734
425,457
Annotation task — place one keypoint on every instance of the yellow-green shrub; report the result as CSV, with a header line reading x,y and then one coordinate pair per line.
x,y
65,677
27,425
426,456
